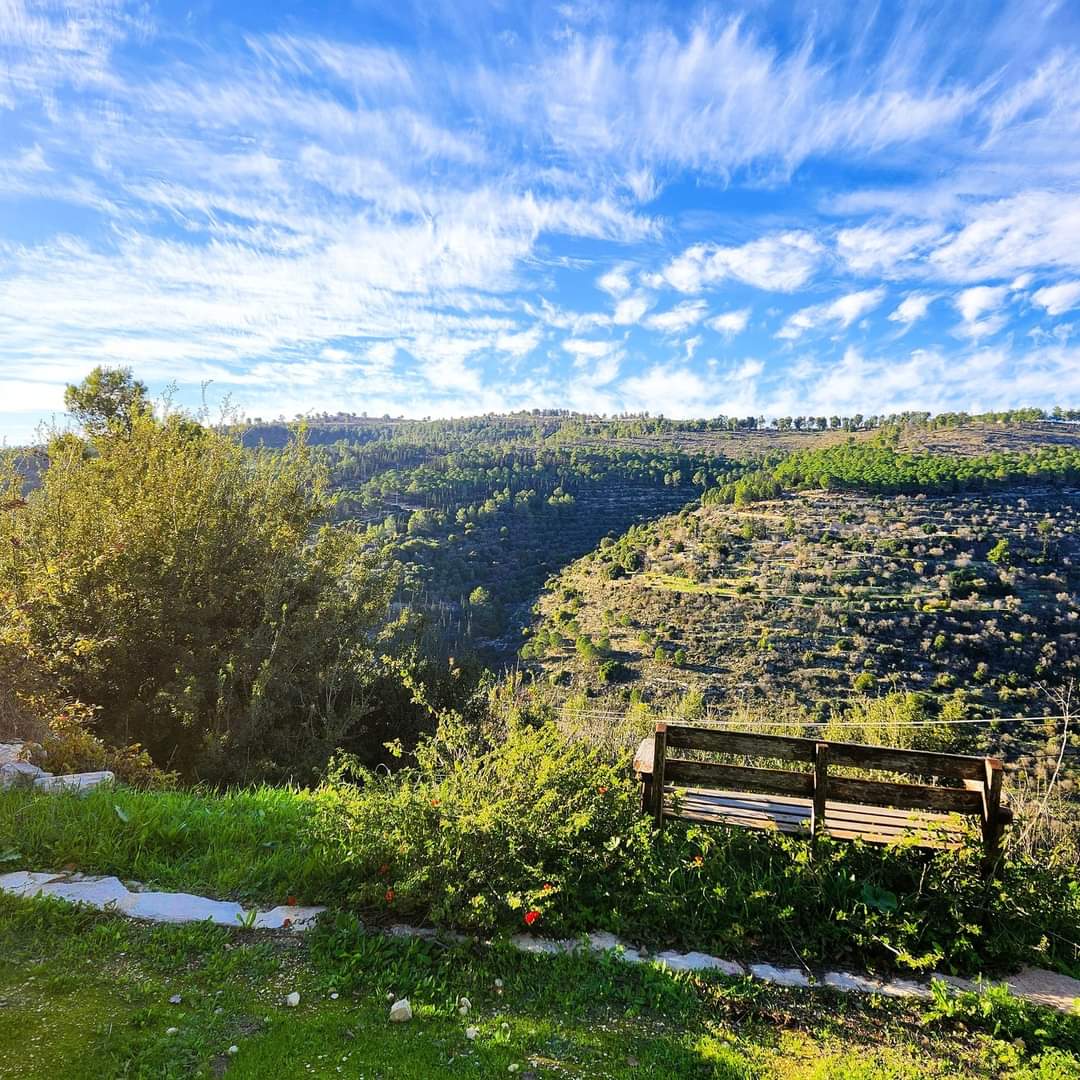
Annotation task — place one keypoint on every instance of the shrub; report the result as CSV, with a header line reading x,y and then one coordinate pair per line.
x,y
182,586
477,839
537,820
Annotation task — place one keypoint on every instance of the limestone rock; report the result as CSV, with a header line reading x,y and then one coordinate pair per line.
x,y
401,1011
779,976
20,774
293,999
77,783
181,908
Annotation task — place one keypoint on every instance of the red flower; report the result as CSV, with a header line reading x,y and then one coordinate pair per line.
x,y
389,896
548,887
286,923
602,790
434,802
531,917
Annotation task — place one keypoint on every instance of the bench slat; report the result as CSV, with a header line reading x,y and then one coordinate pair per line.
x,y
742,777
793,748
905,796
784,747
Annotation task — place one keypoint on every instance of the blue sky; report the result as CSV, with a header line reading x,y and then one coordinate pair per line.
x,y
444,209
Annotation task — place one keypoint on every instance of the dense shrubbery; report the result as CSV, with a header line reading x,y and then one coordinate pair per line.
x,y
541,830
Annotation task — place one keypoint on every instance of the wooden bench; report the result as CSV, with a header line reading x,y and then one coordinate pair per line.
x,y
818,801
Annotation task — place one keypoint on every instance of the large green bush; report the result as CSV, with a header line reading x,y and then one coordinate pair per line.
x,y
539,829
183,587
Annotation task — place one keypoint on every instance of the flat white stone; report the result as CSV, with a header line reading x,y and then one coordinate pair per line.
x,y
779,976
551,946
844,980
697,961
19,774
956,982
404,930
401,1011
906,988
1046,988
297,917
74,782
602,941
181,908
25,882
100,893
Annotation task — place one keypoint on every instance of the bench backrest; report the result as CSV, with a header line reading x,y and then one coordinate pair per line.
x,y
979,796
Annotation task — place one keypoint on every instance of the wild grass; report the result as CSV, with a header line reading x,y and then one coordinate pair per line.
x,y
243,844
88,996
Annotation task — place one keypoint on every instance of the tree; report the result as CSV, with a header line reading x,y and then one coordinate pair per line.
x,y
186,588
999,553
107,399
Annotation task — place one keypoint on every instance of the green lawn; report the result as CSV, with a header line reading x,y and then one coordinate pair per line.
x,y
87,995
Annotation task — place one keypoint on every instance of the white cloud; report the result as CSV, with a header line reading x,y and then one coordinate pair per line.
x,y
1003,238
883,249
678,319
616,282
781,262
630,309
978,307
1057,299
839,313
730,323
912,308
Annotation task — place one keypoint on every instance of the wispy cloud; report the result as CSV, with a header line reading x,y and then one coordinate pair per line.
x,y
837,314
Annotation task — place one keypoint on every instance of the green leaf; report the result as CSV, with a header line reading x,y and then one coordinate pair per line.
x,y
876,897
11,855
121,814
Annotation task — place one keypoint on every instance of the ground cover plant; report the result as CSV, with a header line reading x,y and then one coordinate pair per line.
x,y
90,995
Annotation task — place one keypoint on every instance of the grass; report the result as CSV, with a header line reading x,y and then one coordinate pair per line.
x,y
245,845
87,995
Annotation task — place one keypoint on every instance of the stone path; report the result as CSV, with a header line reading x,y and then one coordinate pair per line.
x,y
110,894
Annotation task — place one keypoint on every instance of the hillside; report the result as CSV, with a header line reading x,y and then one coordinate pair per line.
x,y
498,503
970,599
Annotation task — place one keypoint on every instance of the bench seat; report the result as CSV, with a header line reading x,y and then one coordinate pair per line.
x,y
843,821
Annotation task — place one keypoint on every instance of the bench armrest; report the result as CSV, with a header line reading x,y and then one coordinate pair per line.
x,y
643,759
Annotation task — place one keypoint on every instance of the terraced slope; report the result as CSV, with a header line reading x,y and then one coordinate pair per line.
x,y
828,595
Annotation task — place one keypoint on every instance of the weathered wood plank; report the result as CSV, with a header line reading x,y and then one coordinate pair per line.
x,y
821,784
786,748
905,796
741,777
914,762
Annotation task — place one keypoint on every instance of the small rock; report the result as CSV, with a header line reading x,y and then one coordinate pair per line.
x,y
175,999
334,996
471,1033
632,1062
401,1011
219,1011
512,1068
498,984
172,1031
463,1006
234,1049
293,999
